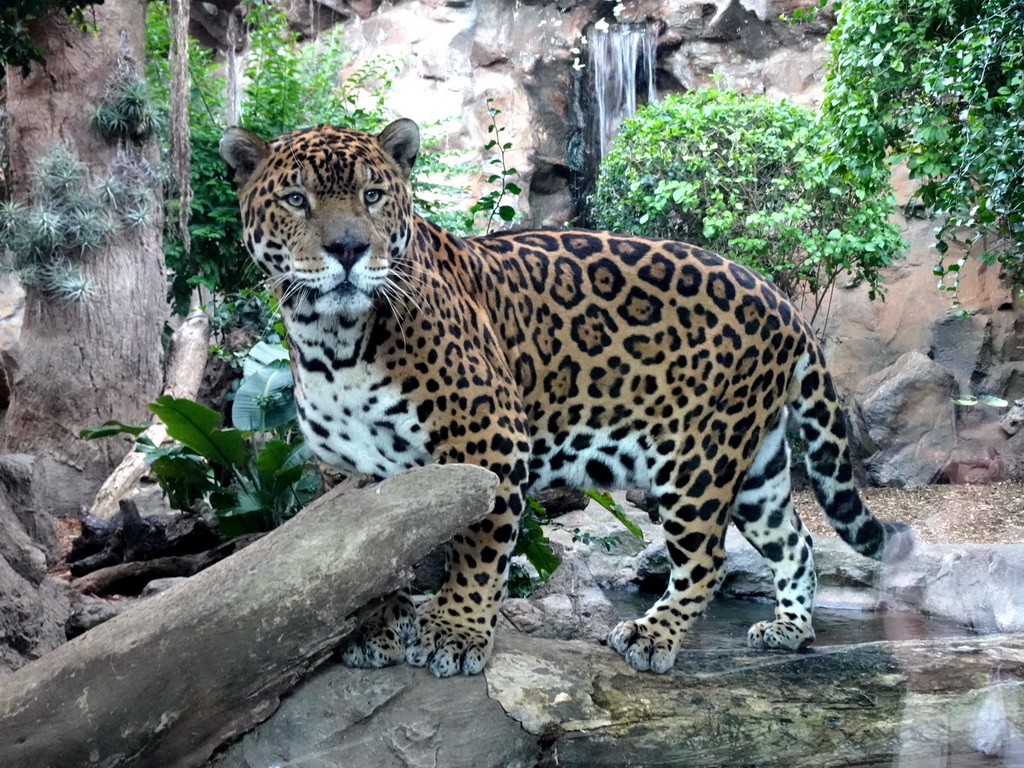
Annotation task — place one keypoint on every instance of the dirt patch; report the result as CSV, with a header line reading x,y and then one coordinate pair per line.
x,y
992,513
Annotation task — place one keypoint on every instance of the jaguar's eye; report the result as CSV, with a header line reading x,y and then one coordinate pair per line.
x,y
296,200
372,196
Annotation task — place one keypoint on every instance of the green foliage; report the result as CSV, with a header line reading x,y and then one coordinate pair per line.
x,y
605,500
490,204
744,176
67,215
264,399
938,84
17,48
217,260
252,484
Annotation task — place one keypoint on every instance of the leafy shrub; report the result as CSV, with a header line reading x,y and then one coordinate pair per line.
x,y
744,176
251,483
938,84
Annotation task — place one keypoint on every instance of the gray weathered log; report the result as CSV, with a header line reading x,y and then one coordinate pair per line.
x,y
167,682
549,703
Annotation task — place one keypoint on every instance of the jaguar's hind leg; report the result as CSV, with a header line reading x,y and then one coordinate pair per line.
x,y
380,640
695,515
764,513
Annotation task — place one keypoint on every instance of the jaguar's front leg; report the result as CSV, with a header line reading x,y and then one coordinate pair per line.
x,y
454,632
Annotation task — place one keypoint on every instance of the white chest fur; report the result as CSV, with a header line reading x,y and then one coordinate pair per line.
x,y
352,416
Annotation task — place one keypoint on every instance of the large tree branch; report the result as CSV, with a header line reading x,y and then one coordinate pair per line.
x,y
168,681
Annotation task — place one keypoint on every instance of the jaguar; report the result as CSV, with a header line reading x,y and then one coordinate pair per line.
x,y
549,357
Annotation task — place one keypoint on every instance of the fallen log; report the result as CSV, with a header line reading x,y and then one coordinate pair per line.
x,y
179,674
570,704
187,353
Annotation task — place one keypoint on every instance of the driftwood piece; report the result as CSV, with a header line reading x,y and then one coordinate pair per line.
x,y
186,358
174,677
131,578
548,703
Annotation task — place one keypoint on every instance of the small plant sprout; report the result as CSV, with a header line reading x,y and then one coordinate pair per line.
x,y
491,204
138,215
58,173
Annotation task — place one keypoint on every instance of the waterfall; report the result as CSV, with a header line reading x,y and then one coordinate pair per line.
x,y
618,77
621,60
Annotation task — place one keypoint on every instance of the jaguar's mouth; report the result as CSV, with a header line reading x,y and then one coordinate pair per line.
x,y
345,288
345,298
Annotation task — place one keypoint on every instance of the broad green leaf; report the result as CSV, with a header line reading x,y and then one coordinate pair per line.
x,y
196,426
113,427
264,399
605,500
534,546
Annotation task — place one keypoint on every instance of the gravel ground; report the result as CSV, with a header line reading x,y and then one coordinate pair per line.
x,y
988,514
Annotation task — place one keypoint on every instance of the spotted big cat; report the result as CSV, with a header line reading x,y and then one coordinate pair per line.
x,y
548,357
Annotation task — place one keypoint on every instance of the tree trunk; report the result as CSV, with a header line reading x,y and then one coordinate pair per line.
x,y
168,681
80,363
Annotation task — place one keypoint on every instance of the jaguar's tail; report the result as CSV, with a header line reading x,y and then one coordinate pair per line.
x,y
816,409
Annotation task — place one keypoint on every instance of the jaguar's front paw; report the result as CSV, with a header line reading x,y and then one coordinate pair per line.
x,y
643,646
381,641
448,647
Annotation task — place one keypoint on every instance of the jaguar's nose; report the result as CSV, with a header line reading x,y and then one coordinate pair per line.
x,y
347,250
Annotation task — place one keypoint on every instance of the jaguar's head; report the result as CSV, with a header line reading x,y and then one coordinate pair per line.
x,y
326,211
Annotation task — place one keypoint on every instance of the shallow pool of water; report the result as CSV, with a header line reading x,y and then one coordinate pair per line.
x,y
726,622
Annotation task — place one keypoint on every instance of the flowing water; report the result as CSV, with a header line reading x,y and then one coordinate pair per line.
x,y
619,76
621,60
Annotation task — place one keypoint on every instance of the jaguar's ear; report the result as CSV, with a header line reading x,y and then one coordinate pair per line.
x,y
401,140
242,150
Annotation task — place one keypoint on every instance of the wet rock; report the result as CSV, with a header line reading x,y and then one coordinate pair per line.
x,y
977,585
387,718
546,703
1014,418
156,586
571,606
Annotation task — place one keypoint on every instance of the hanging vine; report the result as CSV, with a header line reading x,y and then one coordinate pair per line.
x,y
180,145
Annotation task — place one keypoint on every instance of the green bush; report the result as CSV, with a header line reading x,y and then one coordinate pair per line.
x,y
744,176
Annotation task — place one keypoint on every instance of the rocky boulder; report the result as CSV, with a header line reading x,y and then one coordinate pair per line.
x,y
33,606
909,421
